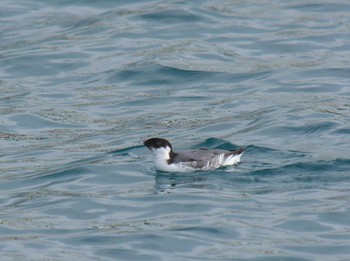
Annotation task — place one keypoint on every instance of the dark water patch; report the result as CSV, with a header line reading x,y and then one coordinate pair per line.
x,y
304,226
72,170
83,23
66,167
42,64
155,75
337,165
145,244
317,172
126,151
30,121
337,236
171,184
340,250
151,74
310,88
342,131
198,178
322,7
38,179
308,129
215,143
172,16
59,169
339,217
214,127
9,98
275,258
325,73
154,101
273,157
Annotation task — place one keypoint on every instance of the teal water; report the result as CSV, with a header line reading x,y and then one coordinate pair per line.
x,y
83,83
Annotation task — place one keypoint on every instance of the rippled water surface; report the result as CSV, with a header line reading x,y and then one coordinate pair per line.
x,y
83,83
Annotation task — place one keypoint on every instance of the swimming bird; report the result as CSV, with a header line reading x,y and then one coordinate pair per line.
x,y
165,159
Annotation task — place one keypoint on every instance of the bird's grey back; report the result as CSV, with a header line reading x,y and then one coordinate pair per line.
x,y
200,158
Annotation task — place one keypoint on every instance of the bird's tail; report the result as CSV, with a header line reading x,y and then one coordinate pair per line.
x,y
233,157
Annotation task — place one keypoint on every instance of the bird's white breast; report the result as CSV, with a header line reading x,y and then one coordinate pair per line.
x,y
161,157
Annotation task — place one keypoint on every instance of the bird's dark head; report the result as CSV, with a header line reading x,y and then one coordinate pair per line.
x,y
156,143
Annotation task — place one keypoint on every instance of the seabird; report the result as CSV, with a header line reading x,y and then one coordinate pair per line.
x,y
165,159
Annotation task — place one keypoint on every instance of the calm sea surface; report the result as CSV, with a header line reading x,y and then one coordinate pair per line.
x,y
83,83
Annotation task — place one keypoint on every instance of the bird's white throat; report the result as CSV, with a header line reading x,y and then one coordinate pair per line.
x,y
161,157
161,154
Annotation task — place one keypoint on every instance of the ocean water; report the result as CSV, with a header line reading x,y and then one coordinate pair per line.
x,y
83,83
